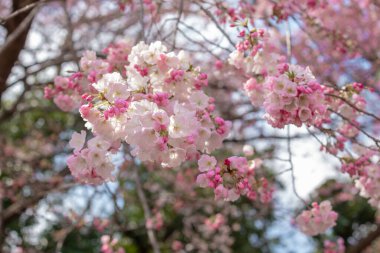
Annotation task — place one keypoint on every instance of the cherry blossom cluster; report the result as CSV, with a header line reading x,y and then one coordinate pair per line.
x,y
362,164
255,91
294,97
100,224
66,92
226,13
255,54
236,177
234,12
151,99
156,222
93,68
282,10
290,94
215,222
334,247
69,93
357,166
93,163
318,219
117,55
369,184
110,245
206,234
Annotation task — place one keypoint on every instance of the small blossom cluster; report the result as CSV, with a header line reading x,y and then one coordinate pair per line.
x,y
206,234
215,222
150,5
334,247
91,164
235,178
255,91
69,93
152,100
66,92
255,54
294,97
364,167
369,184
318,219
348,104
110,245
226,13
100,224
281,11
290,94
156,222
117,55
357,167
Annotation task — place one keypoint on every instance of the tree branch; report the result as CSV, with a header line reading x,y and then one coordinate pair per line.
x,y
365,242
147,214
18,28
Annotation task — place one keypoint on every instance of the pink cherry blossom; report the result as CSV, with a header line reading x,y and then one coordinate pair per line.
x,y
334,247
77,141
317,220
206,163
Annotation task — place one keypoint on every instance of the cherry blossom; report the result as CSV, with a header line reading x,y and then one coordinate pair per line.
x,y
236,177
156,105
334,247
317,220
309,63
109,245
92,164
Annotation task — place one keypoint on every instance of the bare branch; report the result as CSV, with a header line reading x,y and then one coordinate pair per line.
x,y
209,14
290,159
147,213
19,11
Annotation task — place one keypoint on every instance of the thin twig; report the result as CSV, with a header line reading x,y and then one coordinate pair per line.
x,y
114,198
266,137
198,43
282,172
147,213
288,42
177,23
375,140
209,14
19,11
204,38
316,137
354,106
142,14
290,159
